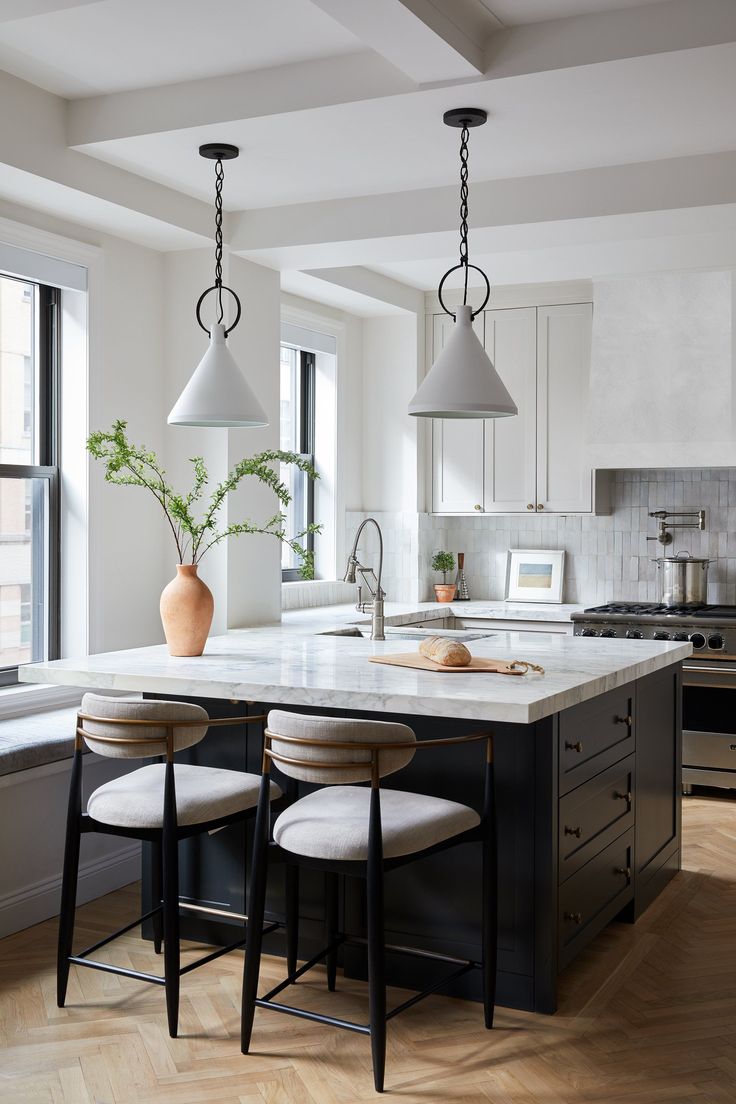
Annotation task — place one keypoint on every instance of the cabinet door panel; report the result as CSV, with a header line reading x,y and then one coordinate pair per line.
x,y
510,443
564,478
457,445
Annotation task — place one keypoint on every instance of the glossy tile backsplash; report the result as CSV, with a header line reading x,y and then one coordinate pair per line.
x,y
607,557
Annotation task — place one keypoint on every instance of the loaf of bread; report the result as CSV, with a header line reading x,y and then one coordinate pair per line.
x,y
450,653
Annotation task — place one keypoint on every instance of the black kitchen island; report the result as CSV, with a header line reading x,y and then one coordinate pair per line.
x,y
588,760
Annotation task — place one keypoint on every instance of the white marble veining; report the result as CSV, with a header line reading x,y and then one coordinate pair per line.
x,y
289,664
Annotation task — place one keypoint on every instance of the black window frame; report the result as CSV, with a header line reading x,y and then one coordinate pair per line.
x,y
45,555
306,368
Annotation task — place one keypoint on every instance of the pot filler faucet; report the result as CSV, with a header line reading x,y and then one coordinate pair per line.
x,y
664,524
375,606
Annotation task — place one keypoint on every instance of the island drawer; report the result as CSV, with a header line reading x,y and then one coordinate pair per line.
x,y
594,895
594,815
595,734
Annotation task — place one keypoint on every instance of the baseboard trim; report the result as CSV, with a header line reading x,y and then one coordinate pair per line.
x,y
40,901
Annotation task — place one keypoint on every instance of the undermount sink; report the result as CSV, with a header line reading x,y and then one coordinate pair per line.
x,y
415,633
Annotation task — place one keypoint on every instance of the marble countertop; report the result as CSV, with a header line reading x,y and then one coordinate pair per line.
x,y
290,664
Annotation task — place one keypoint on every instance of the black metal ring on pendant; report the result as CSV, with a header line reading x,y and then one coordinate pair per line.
x,y
220,288
449,273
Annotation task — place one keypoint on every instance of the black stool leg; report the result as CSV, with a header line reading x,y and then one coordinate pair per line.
x,y
292,916
69,879
171,902
157,893
256,908
331,925
490,895
376,951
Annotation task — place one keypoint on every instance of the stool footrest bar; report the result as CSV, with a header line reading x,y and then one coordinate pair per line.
x,y
138,975
303,969
331,1021
119,932
222,950
431,989
414,952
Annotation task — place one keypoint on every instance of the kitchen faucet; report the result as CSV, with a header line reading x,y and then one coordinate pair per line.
x,y
375,606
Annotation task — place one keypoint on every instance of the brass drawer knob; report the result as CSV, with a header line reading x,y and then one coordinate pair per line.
x,y
623,796
540,505
530,505
625,870
576,917
576,831
577,746
627,720
477,506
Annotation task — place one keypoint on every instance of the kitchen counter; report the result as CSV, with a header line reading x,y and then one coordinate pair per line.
x,y
587,765
292,663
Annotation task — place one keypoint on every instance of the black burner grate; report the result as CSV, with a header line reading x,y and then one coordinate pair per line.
x,y
656,609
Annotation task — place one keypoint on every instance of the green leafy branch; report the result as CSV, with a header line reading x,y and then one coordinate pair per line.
x,y
196,530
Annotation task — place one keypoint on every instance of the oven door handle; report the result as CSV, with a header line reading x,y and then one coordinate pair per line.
x,y
697,669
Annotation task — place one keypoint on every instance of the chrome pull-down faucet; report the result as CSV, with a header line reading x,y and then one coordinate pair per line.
x,y
375,606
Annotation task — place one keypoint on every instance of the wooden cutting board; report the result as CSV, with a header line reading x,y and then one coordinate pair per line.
x,y
422,663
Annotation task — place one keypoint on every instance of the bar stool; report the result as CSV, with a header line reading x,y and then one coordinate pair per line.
x,y
344,828
158,803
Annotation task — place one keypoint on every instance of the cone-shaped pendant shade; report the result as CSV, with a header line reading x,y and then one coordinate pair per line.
x,y
218,393
462,382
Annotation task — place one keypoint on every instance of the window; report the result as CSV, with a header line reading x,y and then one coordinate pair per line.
x,y
297,435
29,477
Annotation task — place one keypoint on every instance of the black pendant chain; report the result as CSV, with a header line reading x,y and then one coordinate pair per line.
x,y
464,135
219,181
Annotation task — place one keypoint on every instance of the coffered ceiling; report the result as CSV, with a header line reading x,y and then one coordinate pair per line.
x,y
611,140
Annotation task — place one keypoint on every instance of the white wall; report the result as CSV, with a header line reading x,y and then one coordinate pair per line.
x,y
253,577
662,372
390,366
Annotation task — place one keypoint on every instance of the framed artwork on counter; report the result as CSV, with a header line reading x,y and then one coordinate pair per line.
x,y
535,575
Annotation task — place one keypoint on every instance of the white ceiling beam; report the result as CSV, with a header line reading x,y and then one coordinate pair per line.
x,y
664,27
346,78
33,141
599,37
391,227
374,285
11,10
414,35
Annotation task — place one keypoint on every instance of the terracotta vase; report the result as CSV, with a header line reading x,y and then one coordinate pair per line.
x,y
445,592
186,608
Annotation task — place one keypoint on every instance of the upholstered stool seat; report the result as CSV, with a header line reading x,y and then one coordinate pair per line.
x,y
136,800
332,823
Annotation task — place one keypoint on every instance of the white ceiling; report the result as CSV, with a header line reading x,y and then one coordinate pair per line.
x,y
636,109
112,45
345,164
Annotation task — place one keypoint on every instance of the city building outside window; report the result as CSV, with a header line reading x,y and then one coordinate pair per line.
x,y
29,477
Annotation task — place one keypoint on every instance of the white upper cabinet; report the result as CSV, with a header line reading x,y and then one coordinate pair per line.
x,y
510,470
564,483
536,461
457,445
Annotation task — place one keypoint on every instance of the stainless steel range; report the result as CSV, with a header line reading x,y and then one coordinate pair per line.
x,y
709,676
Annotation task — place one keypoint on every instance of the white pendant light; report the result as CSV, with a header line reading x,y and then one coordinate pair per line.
x,y
462,382
218,393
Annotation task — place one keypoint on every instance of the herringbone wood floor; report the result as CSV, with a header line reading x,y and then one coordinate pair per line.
x,y
647,1015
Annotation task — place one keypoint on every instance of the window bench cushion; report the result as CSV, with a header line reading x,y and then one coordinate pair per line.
x,y
37,739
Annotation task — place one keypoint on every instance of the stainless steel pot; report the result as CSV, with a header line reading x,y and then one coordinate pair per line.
x,y
683,579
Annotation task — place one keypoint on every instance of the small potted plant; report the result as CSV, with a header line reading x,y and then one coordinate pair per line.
x,y
444,562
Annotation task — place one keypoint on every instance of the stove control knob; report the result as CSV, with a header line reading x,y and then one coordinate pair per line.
x,y
608,632
697,640
633,634
679,636
661,635
589,632
715,641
